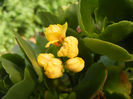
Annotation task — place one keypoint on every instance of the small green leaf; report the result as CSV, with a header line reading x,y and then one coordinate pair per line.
x,y
117,31
111,50
15,73
30,54
47,18
22,89
85,12
92,82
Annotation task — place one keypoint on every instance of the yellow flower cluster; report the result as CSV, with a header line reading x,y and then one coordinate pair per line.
x,y
56,34
52,66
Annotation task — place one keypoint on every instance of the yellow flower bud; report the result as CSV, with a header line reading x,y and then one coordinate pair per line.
x,y
75,64
54,68
55,33
44,58
69,48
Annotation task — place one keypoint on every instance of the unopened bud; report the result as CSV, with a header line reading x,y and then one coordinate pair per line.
x,y
75,64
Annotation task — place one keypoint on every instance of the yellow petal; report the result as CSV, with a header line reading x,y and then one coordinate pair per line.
x,y
51,42
56,32
44,58
75,64
69,48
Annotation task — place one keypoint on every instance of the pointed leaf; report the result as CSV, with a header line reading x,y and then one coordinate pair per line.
x,y
30,54
85,12
15,73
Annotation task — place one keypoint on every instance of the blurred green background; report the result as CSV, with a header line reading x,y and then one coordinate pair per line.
x,y
22,16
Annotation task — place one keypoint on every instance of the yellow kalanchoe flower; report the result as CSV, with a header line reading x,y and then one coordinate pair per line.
x,y
55,33
69,48
54,68
75,64
44,58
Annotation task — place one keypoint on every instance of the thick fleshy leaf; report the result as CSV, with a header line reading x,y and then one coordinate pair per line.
x,y
15,73
30,54
85,12
116,10
93,80
111,50
22,89
117,84
117,31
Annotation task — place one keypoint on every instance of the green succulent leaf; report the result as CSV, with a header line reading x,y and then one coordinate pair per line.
x,y
117,84
116,10
85,18
15,73
30,54
117,31
22,89
92,82
111,50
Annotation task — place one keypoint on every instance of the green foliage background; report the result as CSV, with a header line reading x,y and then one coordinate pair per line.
x,y
21,16
105,43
